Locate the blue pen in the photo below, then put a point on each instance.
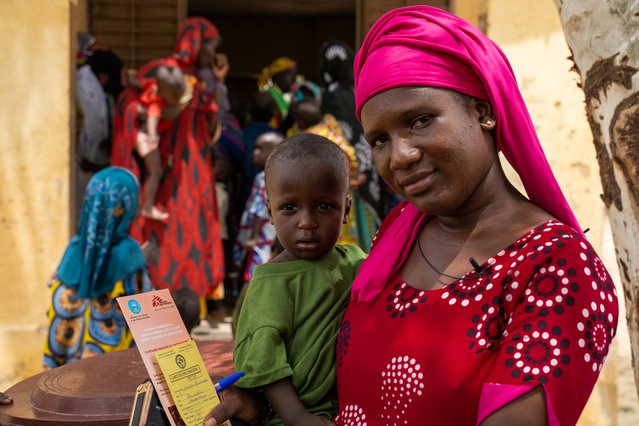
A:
(228, 381)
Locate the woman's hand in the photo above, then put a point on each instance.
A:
(220, 67)
(244, 405)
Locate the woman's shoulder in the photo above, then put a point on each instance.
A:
(554, 242)
(552, 229)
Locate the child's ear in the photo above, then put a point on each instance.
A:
(347, 209)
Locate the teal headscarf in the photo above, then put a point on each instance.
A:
(102, 253)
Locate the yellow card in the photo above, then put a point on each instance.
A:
(189, 383)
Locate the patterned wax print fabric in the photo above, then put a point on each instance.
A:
(255, 215)
(125, 131)
(101, 252)
(151, 99)
(289, 322)
(189, 242)
(542, 312)
(193, 32)
(81, 328)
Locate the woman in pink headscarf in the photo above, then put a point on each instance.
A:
(477, 304)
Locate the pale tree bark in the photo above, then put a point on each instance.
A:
(603, 36)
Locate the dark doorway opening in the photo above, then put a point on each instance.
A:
(254, 33)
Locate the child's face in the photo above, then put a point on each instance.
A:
(264, 145)
(307, 203)
(307, 113)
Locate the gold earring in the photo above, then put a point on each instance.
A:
(489, 122)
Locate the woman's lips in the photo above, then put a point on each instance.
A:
(416, 183)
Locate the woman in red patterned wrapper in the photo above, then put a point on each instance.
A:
(188, 246)
(477, 305)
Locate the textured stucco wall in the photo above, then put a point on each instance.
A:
(530, 33)
(35, 124)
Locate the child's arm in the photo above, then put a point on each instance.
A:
(152, 127)
(288, 406)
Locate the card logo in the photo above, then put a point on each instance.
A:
(134, 306)
(158, 301)
(180, 361)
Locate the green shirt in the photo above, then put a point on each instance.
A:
(289, 323)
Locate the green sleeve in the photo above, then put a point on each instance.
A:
(262, 358)
(263, 326)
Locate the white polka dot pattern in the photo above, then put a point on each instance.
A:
(351, 415)
(402, 384)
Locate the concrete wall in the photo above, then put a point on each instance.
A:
(35, 123)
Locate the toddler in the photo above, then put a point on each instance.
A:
(256, 234)
(161, 97)
(288, 325)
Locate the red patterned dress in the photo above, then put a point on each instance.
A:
(542, 313)
(190, 251)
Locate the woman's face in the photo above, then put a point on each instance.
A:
(430, 146)
(206, 57)
(285, 79)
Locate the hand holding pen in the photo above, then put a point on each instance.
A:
(228, 381)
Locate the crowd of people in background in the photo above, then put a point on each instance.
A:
(202, 224)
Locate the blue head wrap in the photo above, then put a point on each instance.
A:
(102, 253)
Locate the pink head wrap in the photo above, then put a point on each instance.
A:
(426, 46)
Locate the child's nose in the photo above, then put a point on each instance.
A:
(307, 220)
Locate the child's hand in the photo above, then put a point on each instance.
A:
(220, 67)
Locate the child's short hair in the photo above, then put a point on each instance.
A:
(171, 78)
(188, 304)
(262, 107)
(305, 146)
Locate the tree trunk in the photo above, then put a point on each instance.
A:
(603, 38)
